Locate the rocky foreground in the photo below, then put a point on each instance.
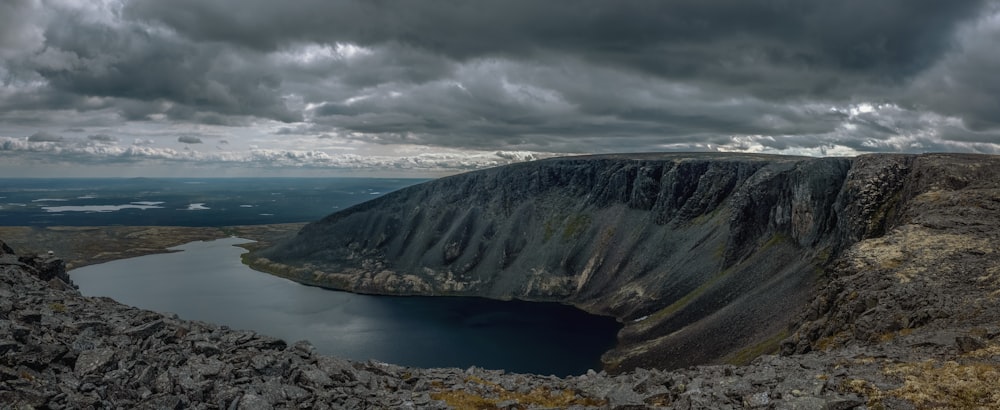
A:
(59, 349)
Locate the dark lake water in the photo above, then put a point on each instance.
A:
(207, 282)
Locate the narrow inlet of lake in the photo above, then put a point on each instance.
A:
(206, 281)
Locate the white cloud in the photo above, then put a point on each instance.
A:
(413, 157)
(313, 53)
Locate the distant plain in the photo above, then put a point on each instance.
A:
(87, 221)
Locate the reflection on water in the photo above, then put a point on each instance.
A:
(207, 282)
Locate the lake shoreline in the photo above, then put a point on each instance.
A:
(208, 282)
(82, 246)
(322, 285)
(162, 361)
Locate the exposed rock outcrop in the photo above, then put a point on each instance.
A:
(47, 268)
(706, 258)
(936, 262)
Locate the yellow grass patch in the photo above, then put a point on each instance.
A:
(865, 389)
(950, 384)
(493, 394)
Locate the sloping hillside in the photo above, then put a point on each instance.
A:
(706, 258)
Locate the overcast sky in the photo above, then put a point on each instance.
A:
(407, 87)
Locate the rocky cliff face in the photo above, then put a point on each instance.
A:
(46, 268)
(706, 258)
(932, 260)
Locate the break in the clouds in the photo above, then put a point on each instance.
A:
(428, 85)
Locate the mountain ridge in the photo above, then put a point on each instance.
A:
(691, 244)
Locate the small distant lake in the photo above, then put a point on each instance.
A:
(182, 201)
(207, 282)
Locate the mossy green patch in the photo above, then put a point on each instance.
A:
(768, 346)
(775, 240)
(575, 225)
(702, 219)
(824, 255)
(550, 230)
(688, 298)
(720, 251)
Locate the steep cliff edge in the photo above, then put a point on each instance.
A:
(706, 258)
(935, 265)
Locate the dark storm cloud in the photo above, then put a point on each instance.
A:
(138, 64)
(189, 139)
(965, 83)
(16, 26)
(522, 106)
(829, 45)
(554, 76)
(43, 136)
(586, 69)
